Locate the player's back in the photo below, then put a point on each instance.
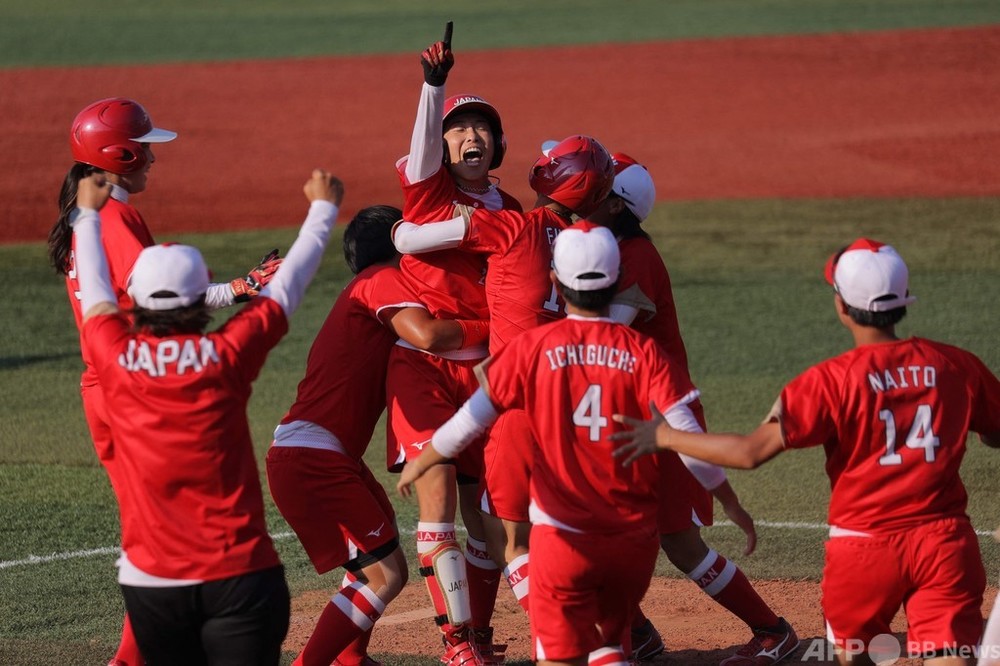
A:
(645, 284)
(518, 247)
(343, 389)
(897, 416)
(577, 373)
(192, 505)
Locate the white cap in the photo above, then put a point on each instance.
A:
(633, 185)
(585, 257)
(177, 273)
(870, 276)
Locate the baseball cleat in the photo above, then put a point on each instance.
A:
(492, 653)
(462, 654)
(367, 661)
(766, 647)
(647, 643)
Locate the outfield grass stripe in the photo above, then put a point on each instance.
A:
(280, 536)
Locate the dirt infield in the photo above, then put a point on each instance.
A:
(871, 114)
(697, 631)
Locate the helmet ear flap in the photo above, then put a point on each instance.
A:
(126, 156)
(499, 149)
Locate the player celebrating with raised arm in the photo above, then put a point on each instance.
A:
(315, 467)
(455, 143)
(201, 580)
(645, 301)
(571, 179)
(589, 514)
(893, 416)
(113, 137)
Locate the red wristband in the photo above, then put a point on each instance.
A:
(474, 331)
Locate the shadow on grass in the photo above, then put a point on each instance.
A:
(15, 362)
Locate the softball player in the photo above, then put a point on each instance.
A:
(315, 467)
(572, 178)
(893, 416)
(201, 579)
(455, 143)
(588, 514)
(645, 301)
(113, 137)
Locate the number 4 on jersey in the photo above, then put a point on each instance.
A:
(921, 436)
(588, 412)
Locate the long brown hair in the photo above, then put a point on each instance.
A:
(61, 235)
(193, 318)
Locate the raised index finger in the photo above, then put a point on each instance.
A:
(447, 35)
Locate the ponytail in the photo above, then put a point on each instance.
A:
(61, 235)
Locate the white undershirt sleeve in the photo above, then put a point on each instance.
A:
(300, 264)
(219, 295)
(470, 421)
(623, 314)
(680, 417)
(91, 264)
(412, 238)
(426, 143)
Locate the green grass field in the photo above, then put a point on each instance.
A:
(58, 32)
(747, 280)
(754, 311)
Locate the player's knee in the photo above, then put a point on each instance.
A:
(685, 550)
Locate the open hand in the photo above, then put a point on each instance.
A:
(411, 472)
(641, 439)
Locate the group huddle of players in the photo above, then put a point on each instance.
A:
(511, 350)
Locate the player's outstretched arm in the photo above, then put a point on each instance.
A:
(410, 238)
(96, 294)
(426, 142)
(324, 193)
(725, 449)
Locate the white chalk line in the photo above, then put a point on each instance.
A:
(33, 560)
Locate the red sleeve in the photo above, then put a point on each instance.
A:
(985, 418)
(492, 232)
(386, 289)
(808, 408)
(250, 334)
(102, 336)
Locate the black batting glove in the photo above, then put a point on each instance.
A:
(437, 59)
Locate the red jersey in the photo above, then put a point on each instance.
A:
(124, 235)
(645, 285)
(893, 419)
(192, 506)
(570, 377)
(449, 282)
(344, 386)
(518, 249)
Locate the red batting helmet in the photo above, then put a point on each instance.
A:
(474, 104)
(577, 172)
(108, 135)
